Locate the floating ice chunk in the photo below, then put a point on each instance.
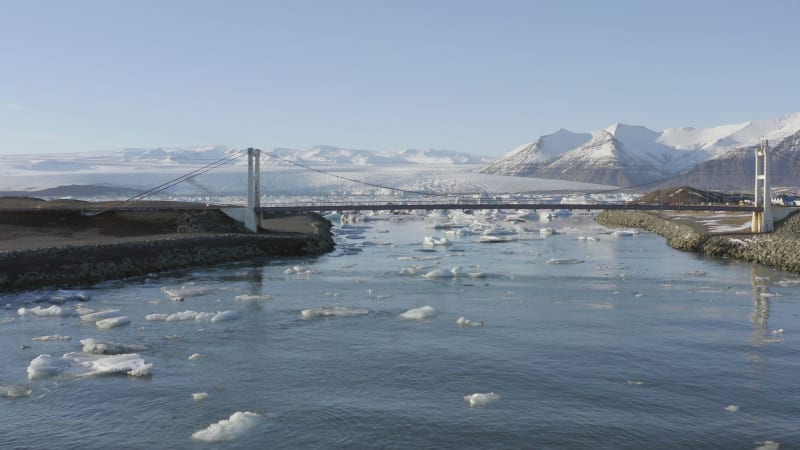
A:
(336, 311)
(193, 315)
(564, 261)
(224, 315)
(444, 273)
(113, 322)
(82, 310)
(430, 241)
(622, 233)
(109, 348)
(196, 356)
(52, 311)
(100, 315)
(54, 337)
(127, 363)
(547, 231)
(46, 366)
(732, 408)
(80, 296)
(198, 396)
(421, 313)
(778, 332)
(464, 322)
(635, 382)
(479, 400)
(15, 391)
(490, 239)
(253, 298)
(439, 273)
(768, 445)
(186, 291)
(299, 270)
(229, 429)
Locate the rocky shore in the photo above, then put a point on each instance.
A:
(780, 249)
(80, 251)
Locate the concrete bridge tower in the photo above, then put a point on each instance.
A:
(252, 218)
(763, 221)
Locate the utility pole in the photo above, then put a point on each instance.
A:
(762, 220)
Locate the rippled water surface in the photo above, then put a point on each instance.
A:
(618, 342)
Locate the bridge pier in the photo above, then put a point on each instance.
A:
(252, 218)
(763, 220)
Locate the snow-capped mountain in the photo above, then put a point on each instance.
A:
(527, 158)
(628, 155)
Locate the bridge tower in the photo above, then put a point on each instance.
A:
(763, 221)
(252, 218)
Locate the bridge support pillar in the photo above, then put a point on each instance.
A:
(252, 218)
(763, 221)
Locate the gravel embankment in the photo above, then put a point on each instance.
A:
(780, 249)
(202, 239)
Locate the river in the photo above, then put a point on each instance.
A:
(578, 339)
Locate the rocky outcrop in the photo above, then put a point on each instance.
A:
(780, 249)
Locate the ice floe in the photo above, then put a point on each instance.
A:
(46, 366)
(732, 408)
(100, 315)
(564, 261)
(464, 322)
(109, 348)
(335, 311)
(479, 400)
(53, 337)
(126, 363)
(113, 322)
(198, 396)
(182, 292)
(193, 315)
(51, 311)
(430, 241)
(229, 429)
(421, 313)
(15, 391)
(196, 356)
(253, 298)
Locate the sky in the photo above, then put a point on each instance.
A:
(475, 76)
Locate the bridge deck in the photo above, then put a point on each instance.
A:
(493, 205)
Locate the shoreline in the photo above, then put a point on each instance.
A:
(46, 248)
(780, 249)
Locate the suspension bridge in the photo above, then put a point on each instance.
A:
(383, 197)
(762, 220)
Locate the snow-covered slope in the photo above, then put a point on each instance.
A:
(529, 157)
(718, 140)
(639, 153)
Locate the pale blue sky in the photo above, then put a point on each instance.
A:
(474, 76)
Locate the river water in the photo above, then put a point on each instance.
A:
(606, 342)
